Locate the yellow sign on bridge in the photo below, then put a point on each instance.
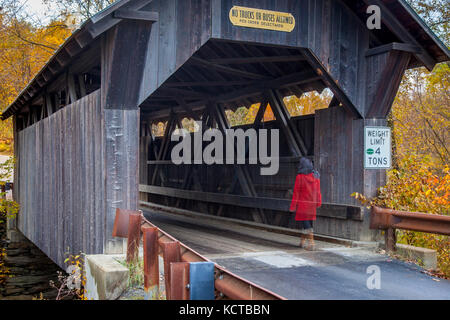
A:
(262, 19)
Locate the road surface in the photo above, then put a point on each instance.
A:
(274, 261)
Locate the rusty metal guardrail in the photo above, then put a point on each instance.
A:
(389, 220)
(177, 256)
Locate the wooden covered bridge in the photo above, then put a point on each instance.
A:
(83, 126)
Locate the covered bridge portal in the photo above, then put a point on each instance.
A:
(83, 138)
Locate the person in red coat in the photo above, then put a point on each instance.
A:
(305, 199)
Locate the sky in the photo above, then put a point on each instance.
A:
(38, 8)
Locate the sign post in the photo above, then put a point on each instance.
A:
(377, 147)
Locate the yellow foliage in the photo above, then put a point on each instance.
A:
(24, 49)
(415, 186)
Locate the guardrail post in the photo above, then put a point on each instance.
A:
(201, 278)
(134, 237)
(390, 239)
(171, 253)
(121, 221)
(179, 281)
(151, 262)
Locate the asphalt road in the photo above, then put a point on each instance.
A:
(275, 262)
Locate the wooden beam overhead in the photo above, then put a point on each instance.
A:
(334, 103)
(257, 59)
(72, 93)
(402, 33)
(181, 102)
(63, 57)
(259, 86)
(46, 74)
(40, 80)
(387, 87)
(106, 20)
(229, 70)
(54, 66)
(253, 90)
(83, 38)
(208, 83)
(186, 93)
(73, 48)
(393, 46)
(329, 81)
(136, 15)
(82, 85)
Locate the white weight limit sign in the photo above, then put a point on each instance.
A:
(377, 147)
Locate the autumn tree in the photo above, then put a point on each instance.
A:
(25, 46)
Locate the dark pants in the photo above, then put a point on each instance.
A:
(308, 224)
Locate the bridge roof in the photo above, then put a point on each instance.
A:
(400, 14)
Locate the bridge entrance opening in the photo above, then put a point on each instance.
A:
(235, 85)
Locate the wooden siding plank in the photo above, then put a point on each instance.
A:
(59, 159)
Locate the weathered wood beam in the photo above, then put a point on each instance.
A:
(209, 83)
(40, 80)
(257, 59)
(164, 145)
(260, 115)
(48, 104)
(72, 93)
(393, 46)
(334, 102)
(155, 150)
(331, 84)
(402, 33)
(270, 67)
(54, 66)
(181, 102)
(295, 78)
(282, 106)
(277, 204)
(229, 50)
(63, 57)
(46, 74)
(73, 48)
(82, 85)
(181, 92)
(283, 121)
(105, 21)
(243, 176)
(229, 70)
(136, 15)
(387, 86)
(250, 91)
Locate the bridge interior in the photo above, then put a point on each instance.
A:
(225, 75)
(233, 74)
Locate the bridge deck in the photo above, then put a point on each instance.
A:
(274, 261)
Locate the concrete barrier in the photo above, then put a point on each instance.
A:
(426, 257)
(106, 278)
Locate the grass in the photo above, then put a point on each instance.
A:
(136, 277)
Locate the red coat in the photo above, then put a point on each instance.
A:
(306, 197)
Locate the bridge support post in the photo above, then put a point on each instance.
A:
(121, 74)
(338, 156)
